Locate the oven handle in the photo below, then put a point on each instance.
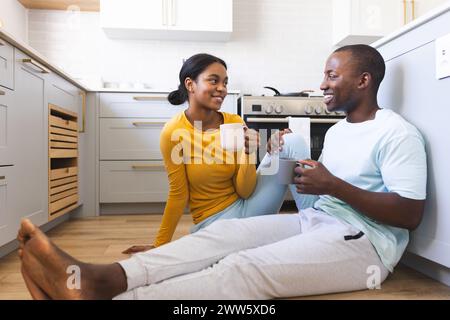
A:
(286, 120)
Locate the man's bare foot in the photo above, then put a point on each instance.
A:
(61, 276)
(35, 291)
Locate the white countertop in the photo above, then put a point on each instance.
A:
(413, 25)
(44, 61)
(156, 90)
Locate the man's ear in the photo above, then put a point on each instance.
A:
(189, 84)
(365, 80)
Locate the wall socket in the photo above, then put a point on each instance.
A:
(443, 57)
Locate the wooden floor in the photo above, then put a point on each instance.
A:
(101, 240)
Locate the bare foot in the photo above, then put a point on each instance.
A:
(61, 276)
(35, 291)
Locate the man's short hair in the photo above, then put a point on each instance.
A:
(367, 59)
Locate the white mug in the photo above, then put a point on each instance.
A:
(232, 136)
(286, 169)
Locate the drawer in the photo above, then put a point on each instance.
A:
(62, 93)
(9, 221)
(6, 129)
(130, 139)
(6, 65)
(61, 204)
(124, 105)
(133, 181)
(63, 173)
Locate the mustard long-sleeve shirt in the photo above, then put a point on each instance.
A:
(199, 171)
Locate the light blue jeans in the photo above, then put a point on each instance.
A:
(268, 196)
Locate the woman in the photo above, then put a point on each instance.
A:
(199, 171)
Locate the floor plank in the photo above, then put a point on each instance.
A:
(102, 239)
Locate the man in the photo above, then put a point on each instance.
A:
(371, 184)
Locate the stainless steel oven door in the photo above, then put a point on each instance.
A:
(268, 125)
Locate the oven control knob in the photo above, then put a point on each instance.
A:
(326, 111)
(308, 109)
(268, 109)
(319, 110)
(278, 109)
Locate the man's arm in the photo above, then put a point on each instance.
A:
(384, 207)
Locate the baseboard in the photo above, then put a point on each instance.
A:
(14, 245)
(131, 208)
(431, 269)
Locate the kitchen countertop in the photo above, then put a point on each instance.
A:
(156, 90)
(413, 25)
(39, 58)
(44, 61)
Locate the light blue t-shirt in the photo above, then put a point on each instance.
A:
(386, 154)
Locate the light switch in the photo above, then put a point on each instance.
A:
(443, 57)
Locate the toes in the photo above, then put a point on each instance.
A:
(27, 228)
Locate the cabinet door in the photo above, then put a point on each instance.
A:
(376, 17)
(8, 225)
(62, 93)
(6, 65)
(201, 15)
(30, 147)
(133, 14)
(6, 121)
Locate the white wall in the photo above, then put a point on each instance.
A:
(280, 43)
(14, 19)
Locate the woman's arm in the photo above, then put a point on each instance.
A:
(178, 187)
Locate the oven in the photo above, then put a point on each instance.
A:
(266, 114)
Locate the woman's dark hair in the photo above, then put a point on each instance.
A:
(191, 68)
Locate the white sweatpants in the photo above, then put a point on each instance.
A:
(263, 257)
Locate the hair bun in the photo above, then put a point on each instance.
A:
(176, 98)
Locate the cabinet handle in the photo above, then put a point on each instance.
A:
(2, 93)
(2, 177)
(147, 123)
(173, 12)
(150, 98)
(37, 65)
(83, 112)
(164, 12)
(147, 166)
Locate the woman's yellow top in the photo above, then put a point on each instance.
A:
(201, 172)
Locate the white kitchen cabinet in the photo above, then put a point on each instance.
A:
(364, 21)
(30, 144)
(8, 197)
(62, 93)
(130, 139)
(137, 105)
(167, 19)
(6, 134)
(410, 88)
(133, 181)
(6, 65)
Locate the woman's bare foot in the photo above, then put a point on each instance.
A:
(59, 275)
